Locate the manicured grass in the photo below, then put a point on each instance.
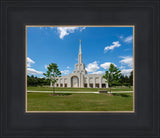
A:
(80, 102)
(44, 88)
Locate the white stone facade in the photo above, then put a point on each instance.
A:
(80, 79)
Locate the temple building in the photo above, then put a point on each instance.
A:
(79, 77)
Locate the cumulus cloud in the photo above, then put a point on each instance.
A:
(111, 47)
(98, 72)
(128, 39)
(106, 65)
(127, 61)
(126, 72)
(92, 67)
(63, 31)
(65, 72)
(33, 71)
(122, 67)
(68, 67)
(82, 28)
(45, 66)
(29, 62)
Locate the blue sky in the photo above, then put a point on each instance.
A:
(100, 47)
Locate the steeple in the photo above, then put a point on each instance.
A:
(80, 53)
(80, 66)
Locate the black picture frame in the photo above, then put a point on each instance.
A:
(144, 123)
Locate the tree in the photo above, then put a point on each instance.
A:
(35, 81)
(131, 78)
(52, 74)
(112, 75)
(126, 80)
(122, 79)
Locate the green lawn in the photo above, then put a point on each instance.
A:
(44, 88)
(79, 102)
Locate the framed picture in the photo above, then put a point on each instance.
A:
(105, 84)
(80, 69)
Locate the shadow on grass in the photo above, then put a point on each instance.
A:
(121, 94)
(60, 94)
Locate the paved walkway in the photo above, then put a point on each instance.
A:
(79, 92)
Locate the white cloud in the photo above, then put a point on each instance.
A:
(126, 72)
(111, 47)
(92, 67)
(82, 28)
(45, 66)
(122, 67)
(127, 61)
(65, 72)
(106, 65)
(29, 62)
(128, 39)
(63, 31)
(68, 67)
(33, 71)
(98, 72)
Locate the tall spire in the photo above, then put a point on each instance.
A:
(80, 53)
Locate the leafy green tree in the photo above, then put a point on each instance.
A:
(122, 79)
(126, 80)
(35, 81)
(112, 75)
(131, 78)
(52, 74)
